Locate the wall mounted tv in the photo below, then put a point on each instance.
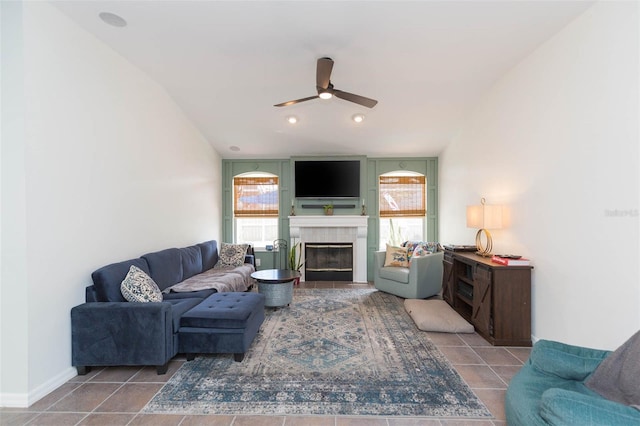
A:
(327, 179)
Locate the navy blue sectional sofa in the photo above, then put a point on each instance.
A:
(107, 330)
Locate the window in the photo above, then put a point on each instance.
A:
(256, 208)
(402, 207)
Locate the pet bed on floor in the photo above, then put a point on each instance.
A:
(436, 315)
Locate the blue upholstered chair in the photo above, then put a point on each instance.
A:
(550, 390)
(422, 279)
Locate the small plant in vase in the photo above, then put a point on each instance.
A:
(295, 259)
(328, 209)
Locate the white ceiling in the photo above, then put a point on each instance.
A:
(226, 63)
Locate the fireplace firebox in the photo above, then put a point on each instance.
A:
(328, 262)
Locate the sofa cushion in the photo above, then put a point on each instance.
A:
(137, 286)
(107, 279)
(165, 267)
(191, 261)
(209, 250)
(200, 294)
(396, 257)
(401, 275)
(224, 310)
(231, 255)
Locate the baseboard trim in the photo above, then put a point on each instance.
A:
(24, 400)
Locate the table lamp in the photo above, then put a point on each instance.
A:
(485, 217)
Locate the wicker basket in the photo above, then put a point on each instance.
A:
(277, 294)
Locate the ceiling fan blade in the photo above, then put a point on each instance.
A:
(368, 102)
(323, 72)
(296, 101)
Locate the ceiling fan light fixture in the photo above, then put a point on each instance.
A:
(325, 95)
(358, 118)
(292, 119)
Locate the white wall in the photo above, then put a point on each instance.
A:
(556, 140)
(108, 168)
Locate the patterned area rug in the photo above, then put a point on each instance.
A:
(331, 352)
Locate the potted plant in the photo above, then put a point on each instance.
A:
(328, 209)
(295, 259)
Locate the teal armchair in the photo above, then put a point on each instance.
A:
(422, 279)
(550, 390)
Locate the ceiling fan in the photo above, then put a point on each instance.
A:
(325, 88)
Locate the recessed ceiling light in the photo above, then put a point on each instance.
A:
(358, 118)
(292, 119)
(112, 19)
(234, 148)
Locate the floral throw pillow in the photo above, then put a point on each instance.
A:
(397, 257)
(231, 255)
(420, 248)
(137, 286)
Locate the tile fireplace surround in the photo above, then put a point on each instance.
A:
(334, 229)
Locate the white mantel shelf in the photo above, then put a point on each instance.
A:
(333, 221)
(334, 229)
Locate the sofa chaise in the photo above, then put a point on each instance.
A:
(213, 314)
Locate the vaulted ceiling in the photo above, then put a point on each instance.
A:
(226, 63)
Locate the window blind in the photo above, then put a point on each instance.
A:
(402, 196)
(255, 196)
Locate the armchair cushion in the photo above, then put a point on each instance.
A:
(400, 275)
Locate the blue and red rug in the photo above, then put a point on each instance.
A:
(332, 352)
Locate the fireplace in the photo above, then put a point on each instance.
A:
(328, 261)
(330, 230)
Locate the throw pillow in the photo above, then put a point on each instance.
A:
(139, 287)
(231, 255)
(397, 257)
(420, 248)
(616, 378)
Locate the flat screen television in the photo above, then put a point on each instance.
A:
(327, 179)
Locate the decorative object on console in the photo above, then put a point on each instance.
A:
(484, 217)
(510, 260)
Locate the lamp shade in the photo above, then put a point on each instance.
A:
(484, 216)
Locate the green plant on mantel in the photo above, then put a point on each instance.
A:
(295, 257)
(328, 209)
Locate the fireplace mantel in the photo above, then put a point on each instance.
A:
(334, 229)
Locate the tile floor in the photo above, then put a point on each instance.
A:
(116, 395)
